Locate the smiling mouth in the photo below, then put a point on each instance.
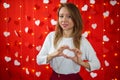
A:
(64, 25)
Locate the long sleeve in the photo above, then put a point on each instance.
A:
(42, 55)
(91, 56)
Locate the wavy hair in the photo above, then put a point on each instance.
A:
(78, 25)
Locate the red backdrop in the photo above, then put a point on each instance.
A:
(24, 25)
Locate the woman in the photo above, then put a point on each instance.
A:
(66, 49)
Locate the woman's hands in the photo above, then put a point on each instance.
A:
(57, 53)
(77, 58)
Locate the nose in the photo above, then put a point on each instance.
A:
(64, 18)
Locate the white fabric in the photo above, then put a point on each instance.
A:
(66, 66)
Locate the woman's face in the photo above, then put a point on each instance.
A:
(65, 19)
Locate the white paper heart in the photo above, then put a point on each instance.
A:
(94, 26)
(37, 22)
(16, 54)
(63, 1)
(38, 48)
(93, 75)
(27, 59)
(6, 5)
(105, 38)
(6, 33)
(38, 74)
(106, 13)
(16, 63)
(27, 71)
(15, 32)
(92, 1)
(111, 21)
(7, 59)
(85, 8)
(69, 53)
(106, 63)
(53, 22)
(45, 1)
(26, 29)
(85, 34)
(113, 2)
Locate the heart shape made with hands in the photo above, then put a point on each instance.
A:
(68, 52)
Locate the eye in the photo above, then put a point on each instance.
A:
(61, 16)
(69, 16)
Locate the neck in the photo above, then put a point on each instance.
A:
(67, 33)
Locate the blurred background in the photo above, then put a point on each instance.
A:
(24, 25)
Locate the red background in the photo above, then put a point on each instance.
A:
(20, 36)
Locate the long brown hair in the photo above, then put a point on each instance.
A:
(78, 25)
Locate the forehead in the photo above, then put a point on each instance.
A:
(64, 10)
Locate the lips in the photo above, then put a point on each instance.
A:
(64, 25)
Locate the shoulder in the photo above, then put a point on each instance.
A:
(84, 41)
(51, 34)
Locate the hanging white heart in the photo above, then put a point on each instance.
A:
(63, 1)
(6, 33)
(45, 1)
(26, 29)
(106, 63)
(6, 5)
(105, 38)
(7, 59)
(113, 2)
(94, 26)
(93, 75)
(85, 7)
(53, 22)
(27, 59)
(37, 22)
(27, 71)
(16, 63)
(92, 1)
(85, 34)
(111, 21)
(38, 48)
(16, 54)
(106, 13)
(38, 74)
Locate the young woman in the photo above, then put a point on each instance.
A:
(65, 49)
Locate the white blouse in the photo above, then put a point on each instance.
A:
(62, 65)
